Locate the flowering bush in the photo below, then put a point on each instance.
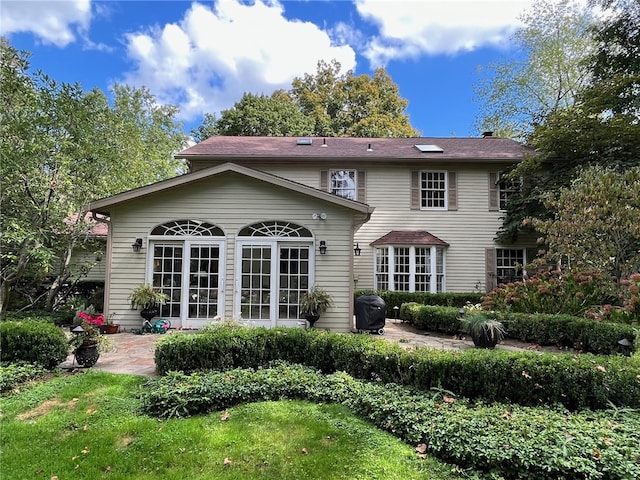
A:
(631, 295)
(89, 316)
(570, 292)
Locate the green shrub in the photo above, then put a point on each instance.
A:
(543, 329)
(63, 317)
(13, 374)
(567, 331)
(571, 293)
(32, 341)
(507, 440)
(445, 299)
(528, 378)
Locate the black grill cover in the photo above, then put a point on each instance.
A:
(371, 311)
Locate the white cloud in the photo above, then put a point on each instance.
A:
(212, 56)
(54, 22)
(409, 28)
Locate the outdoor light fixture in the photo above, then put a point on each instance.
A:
(357, 250)
(319, 216)
(137, 245)
(323, 247)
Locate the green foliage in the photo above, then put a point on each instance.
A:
(568, 292)
(104, 434)
(61, 148)
(567, 331)
(479, 326)
(507, 440)
(327, 104)
(555, 42)
(315, 301)
(559, 330)
(444, 299)
(62, 317)
(259, 115)
(527, 378)
(38, 342)
(427, 317)
(13, 374)
(597, 221)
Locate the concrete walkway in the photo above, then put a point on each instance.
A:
(133, 353)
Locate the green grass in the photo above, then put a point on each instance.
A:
(86, 426)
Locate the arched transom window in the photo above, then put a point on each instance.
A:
(193, 228)
(275, 229)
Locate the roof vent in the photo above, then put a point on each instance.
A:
(429, 148)
(369, 149)
(324, 142)
(304, 141)
(487, 134)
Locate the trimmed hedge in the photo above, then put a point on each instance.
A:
(526, 378)
(33, 341)
(583, 334)
(509, 441)
(444, 299)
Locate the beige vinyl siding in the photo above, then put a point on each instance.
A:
(469, 230)
(232, 202)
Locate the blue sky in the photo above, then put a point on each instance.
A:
(202, 56)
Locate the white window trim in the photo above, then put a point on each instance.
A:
(355, 182)
(524, 259)
(187, 242)
(433, 284)
(272, 243)
(501, 190)
(446, 190)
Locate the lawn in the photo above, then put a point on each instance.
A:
(87, 426)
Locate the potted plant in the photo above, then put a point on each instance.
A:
(484, 331)
(313, 303)
(86, 343)
(109, 326)
(148, 298)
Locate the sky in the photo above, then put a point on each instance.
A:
(203, 56)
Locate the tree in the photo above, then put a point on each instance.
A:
(602, 127)
(61, 148)
(259, 115)
(327, 104)
(596, 222)
(515, 96)
(346, 105)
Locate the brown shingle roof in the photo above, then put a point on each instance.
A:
(409, 237)
(282, 148)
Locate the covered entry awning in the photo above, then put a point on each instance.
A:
(409, 237)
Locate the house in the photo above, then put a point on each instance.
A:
(258, 220)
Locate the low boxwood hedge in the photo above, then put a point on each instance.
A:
(33, 341)
(527, 378)
(543, 329)
(444, 299)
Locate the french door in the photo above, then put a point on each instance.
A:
(270, 278)
(191, 274)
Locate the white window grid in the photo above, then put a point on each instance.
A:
(433, 190)
(343, 183)
(509, 262)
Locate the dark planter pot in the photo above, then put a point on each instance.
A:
(484, 341)
(149, 312)
(87, 355)
(311, 319)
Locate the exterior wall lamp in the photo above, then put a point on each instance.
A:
(137, 245)
(357, 250)
(323, 247)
